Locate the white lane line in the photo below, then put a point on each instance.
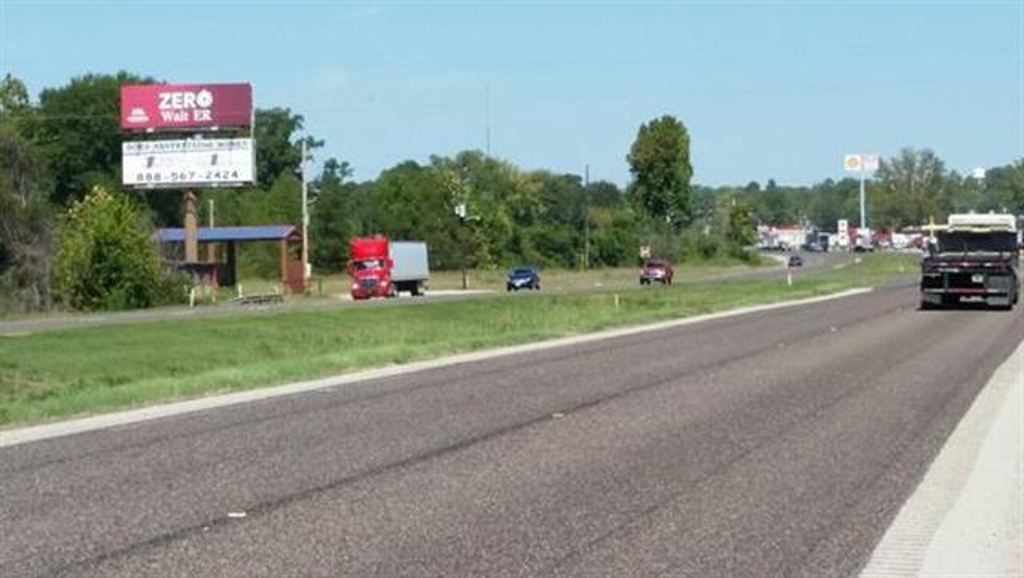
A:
(966, 517)
(47, 431)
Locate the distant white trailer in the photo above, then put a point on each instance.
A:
(973, 222)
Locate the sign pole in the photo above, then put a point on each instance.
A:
(863, 223)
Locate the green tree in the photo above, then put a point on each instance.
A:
(605, 194)
(278, 144)
(342, 210)
(740, 229)
(25, 241)
(106, 257)
(13, 97)
(612, 242)
(910, 188)
(78, 131)
(1004, 188)
(834, 200)
(660, 163)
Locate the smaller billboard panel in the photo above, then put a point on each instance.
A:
(188, 163)
(852, 163)
(870, 162)
(150, 107)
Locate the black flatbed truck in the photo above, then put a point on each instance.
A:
(976, 260)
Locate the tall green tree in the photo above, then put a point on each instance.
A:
(909, 189)
(78, 130)
(341, 210)
(279, 144)
(25, 241)
(660, 163)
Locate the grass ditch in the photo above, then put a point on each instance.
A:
(58, 374)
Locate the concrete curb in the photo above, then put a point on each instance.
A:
(966, 518)
(47, 431)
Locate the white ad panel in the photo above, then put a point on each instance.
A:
(188, 163)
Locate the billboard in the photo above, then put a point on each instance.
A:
(188, 163)
(151, 107)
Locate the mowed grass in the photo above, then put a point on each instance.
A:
(556, 279)
(57, 374)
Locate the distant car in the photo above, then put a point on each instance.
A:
(795, 261)
(656, 271)
(522, 278)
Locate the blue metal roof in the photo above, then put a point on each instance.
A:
(225, 234)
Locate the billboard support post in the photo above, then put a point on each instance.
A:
(211, 248)
(191, 228)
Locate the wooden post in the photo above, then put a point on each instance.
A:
(284, 265)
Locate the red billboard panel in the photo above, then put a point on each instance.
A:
(185, 106)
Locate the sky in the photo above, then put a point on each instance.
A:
(767, 89)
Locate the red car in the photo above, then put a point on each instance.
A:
(656, 271)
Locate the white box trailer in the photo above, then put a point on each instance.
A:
(411, 268)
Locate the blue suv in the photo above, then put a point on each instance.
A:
(523, 278)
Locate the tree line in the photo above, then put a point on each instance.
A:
(60, 180)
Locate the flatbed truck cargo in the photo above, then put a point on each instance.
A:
(976, 260)
(383, 268)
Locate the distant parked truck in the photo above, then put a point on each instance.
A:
(975, 260)
(382, 268)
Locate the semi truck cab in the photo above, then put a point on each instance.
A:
(383, 268)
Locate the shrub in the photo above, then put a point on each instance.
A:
(106, 257)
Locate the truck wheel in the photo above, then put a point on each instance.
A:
(417, 290)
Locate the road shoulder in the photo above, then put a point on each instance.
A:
(966, 518)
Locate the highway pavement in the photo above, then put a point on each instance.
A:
(779, 443)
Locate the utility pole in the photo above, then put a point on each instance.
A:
(487, 113)
(305, 218)
(586, 217)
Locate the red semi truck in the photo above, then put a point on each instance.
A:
(382, 268)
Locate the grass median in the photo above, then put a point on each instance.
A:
(58, 374)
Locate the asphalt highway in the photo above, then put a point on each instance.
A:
(779, 443)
